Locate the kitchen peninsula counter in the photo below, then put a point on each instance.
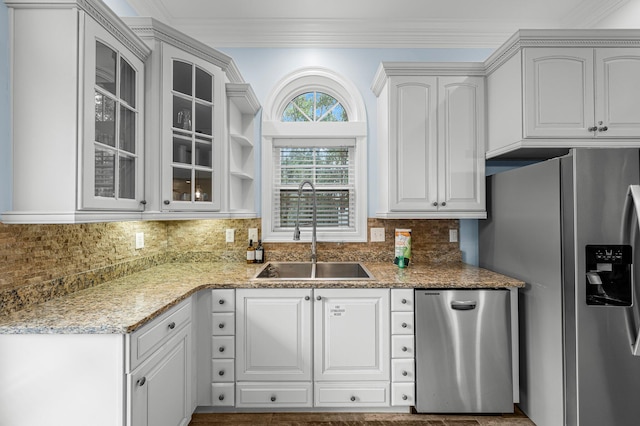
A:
(122, 305)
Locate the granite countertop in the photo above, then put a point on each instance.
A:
(123, 305)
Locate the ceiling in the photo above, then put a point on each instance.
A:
(369, 23)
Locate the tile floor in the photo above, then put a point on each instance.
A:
(356, 419)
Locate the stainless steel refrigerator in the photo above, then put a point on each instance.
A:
(569, 229)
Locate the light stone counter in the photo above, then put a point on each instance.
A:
(123, 305)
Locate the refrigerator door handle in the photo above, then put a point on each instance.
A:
(628, 233)
(459, 305)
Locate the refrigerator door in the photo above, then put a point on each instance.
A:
(606, 374)
(463, 351)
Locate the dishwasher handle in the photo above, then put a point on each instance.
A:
(463, 305)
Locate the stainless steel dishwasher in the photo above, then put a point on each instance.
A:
(463, 351)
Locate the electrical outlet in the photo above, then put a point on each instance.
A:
(453, 235)
(230, 235)
(377, 235)
(253, 235)
(139, 240)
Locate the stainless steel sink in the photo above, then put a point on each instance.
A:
(302, 271)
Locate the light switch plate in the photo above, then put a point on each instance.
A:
(139, 240)
(377, 235)
(230, 235)
(453, 235)
(253, 235)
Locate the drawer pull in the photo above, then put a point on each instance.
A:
(405, 325)
(221, 397)
(221, 349)
(404, 373)
(353, 398)
(221, 325)
(221, 301)
(221, 373)
(405, 349)
(404, 301)
(405, 397)
(141, 381)
(307, 298)
(172, 325)
(273, 398)
(318, 297)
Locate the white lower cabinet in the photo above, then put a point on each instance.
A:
(347, 331)
(403, 375)
(223, 347)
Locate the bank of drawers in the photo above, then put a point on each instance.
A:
(402, 348)
(223, 347)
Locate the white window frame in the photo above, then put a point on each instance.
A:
(273, 129)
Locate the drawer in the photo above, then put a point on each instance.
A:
(224, 323)
(362, 394)
(403, 394)
(223, 300)
(147, 339)
(223, 347)
(402, 323)
(402, 346)
(223, 394)
(402, 300)
(286, 394)
(223, 370)
(403, 370)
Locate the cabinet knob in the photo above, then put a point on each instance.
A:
(435, 204)
(221, 397)
(221, 349)
(221, 325)
(592, 129)
(172, 325)
(166, 202)
(405, 325)
(443, 204)
(405, 397)
(404, 301)
(318, 297)
(141, 381)
(307, 298)
(405, 349)
(221, 301)
(221, 373)
(273, 398)
(404, 373)
(353, 398)
(603, 129)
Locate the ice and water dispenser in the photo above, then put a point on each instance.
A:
(609, 275)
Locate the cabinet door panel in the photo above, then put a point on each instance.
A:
(413, 149)
(461, 136)
(559, 94)
(351, 334)
(618, 91)
(274, 334)
(160, 389)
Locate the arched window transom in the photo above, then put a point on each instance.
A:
(314, 106)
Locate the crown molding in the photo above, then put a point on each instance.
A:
(244, 96)
(97, 10)
(150, 28)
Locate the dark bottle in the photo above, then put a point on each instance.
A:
(251, 253)
(259, 252)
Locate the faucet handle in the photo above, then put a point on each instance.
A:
(296, 234)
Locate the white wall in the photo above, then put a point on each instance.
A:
(627, 16)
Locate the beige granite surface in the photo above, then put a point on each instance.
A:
(124, 304)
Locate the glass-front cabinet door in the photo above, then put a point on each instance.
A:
(113, 136)
(192, 127)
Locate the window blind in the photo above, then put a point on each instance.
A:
(331, 168)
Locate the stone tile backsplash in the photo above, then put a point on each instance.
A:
(41, 262)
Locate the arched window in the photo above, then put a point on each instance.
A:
(313, 130)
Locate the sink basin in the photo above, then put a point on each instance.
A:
(302, 271)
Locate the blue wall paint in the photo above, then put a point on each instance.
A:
(6, 167)
(264, 67)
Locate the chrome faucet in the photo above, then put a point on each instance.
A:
(296, 232)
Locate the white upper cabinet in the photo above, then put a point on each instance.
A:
(563, 89)
(195, 168)
(78, 114)
(431, 128)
